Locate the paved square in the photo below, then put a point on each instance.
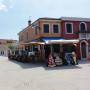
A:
(22, 76)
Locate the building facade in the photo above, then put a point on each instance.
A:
(68, 28)
(78, 28)
(43, 27)
(6, 45)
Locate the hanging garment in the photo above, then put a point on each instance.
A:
(51, 62)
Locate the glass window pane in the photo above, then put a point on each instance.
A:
(55, 28)
(46, 28)
(69, 28)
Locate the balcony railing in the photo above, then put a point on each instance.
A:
(82, 31)
(84, 35)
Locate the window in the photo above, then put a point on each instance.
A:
(83, 26)
(26, 35)
(46, 28)
(21, 38)
(55, 28)
(2, 52)
(36, 30)
(69, 28)
(35, 27)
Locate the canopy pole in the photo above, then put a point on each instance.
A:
(51, 49)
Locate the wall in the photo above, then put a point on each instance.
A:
(31, 31)
(75, 29)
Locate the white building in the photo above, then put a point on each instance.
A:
(4, 46)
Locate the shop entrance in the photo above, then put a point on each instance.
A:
(83, 50)
(56, 48)
(69, 48)
(47, 49)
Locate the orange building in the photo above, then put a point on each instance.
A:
(43, 27)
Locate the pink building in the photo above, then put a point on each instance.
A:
(77, 28)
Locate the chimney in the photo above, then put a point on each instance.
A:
(29, 22)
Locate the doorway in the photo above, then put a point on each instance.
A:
(47, 49)
(84, 50)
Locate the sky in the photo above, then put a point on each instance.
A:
(14, 14)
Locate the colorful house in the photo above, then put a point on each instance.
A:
(62, 31)
(78, 28)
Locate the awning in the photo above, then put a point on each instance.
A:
(63, 41)
(59, 40)
(47, 40)
(52, 40)
(36, 43)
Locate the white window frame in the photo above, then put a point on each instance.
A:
(66, 28)
(43, 27)
(84, 24)
(58, 28)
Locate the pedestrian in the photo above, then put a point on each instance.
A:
(74, 58)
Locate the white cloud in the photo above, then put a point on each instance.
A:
(3, 7)
(9, 3)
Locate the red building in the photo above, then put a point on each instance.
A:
(77, 28)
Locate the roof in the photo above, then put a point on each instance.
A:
(44, 18)
(48, 18)
(75, 19)
(8, 40)
(23, 29)
(62, 18)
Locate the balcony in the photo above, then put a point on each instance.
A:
(84, 35)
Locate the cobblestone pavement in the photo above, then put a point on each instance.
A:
(22, 76)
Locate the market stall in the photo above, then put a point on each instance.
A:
(53, 51)
(58, 48)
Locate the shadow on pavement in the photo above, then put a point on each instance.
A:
(63, 67)
(35, 65)
(84, 62)
(28, 65)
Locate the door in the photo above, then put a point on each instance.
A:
(47, 50)
(83, 50)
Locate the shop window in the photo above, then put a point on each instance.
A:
(46, 28)
(69, 28)
(35, 48)
(69, 49)
(56, 28)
